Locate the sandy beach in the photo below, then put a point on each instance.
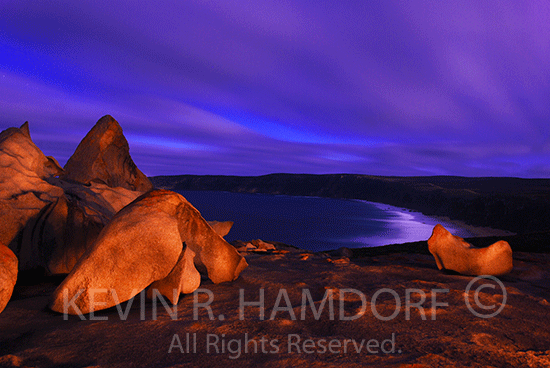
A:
(416, 226)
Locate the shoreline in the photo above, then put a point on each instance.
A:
(493, 204)
(401, 225)
(476, 231)
(456, 227)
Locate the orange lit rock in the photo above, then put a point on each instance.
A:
(139, 246)
(454, 254)
(261, 245)
(8, 275)
(24, 191)
(142, 244)
(213, 255)
(104, 156)
(183, 279)
(222, 228)
(49, 222)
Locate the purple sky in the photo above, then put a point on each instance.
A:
(257, 87)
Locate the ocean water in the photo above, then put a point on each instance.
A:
(314, 223)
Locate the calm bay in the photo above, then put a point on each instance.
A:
(314, 223)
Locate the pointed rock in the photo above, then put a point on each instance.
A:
(21, 156)
(453, 253)
(48, 222)
(25, 129)
(24, 191)
(54, 166)
(104, 156)
(8, 275)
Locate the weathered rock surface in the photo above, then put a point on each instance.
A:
(183, 279)
(104, 156)
(49, 222)
(217, 258)
(222, 228)
(65, 228)
(139, 246)
(142, 244)
(8, 275)
(454, 254)
(261, 245)
(256, 245)
(517, 337)
(23, 190)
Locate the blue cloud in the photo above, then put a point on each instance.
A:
(394, 88)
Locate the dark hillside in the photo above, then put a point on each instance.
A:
(518, 205)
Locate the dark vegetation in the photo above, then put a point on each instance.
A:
(514, 204)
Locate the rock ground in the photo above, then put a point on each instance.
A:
(31, 335)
